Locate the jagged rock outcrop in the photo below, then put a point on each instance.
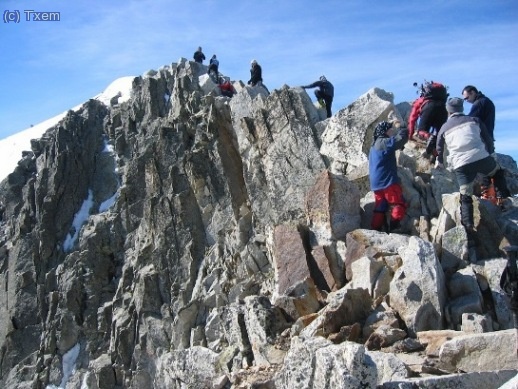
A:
(182, 239)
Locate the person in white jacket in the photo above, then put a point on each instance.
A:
(470, 149)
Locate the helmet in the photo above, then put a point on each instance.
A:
(323, 78)
(254, 62)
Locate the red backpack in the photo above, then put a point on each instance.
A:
(435, 91)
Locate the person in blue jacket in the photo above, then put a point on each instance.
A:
(324, 94)
(482, 108)
(383, 177)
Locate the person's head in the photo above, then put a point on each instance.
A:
(253, 63)
(469, 93)
(455, 105)
(199, 48)
(383, 130)
(323, 78)
(214, 56)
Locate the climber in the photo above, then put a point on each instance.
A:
(256, 75)
(199, 56)
(429, 109)
(482, 108)
(470, 147)
(324, 93)
(227, 89)
(213, 68)
(384, 180)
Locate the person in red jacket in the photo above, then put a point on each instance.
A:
(414, 115)
(227, 89)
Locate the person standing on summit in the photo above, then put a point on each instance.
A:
(324, 93)
(198, 56)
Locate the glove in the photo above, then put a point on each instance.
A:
(439, 165)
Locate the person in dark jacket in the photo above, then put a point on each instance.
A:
(213, 68)
(432, 117)
(324, 93)
(199, 56)
(482, 108)
(256, 74)
(383, 177)
(470, 147)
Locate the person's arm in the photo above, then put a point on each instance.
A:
(414, 116)
(313, 85)
(486, 138)
(440, 147)
(400, 138)
(393, 143)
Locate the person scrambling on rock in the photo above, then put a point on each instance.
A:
(227, 89)
(470, 147)
(383, 177)
(213, 67)
(199, 56)
(429, 114)
(324, 93)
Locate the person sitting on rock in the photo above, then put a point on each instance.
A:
(256, 75)
(198, 56)
(383, 177)
(324, 93)
(470, 147)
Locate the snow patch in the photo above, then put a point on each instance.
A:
(80, 217)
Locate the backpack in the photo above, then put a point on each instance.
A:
(435, 91)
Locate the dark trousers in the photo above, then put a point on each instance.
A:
(327, 99)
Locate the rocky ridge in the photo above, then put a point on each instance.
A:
(181, 239)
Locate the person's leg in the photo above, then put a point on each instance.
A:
(465, 176)
(320, 97)
(380, 207)
(492, 170)
(329, 101)
(395, 200)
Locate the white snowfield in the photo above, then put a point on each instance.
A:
(11, 148)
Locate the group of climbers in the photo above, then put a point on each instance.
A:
(435, 119)
(324, 93)
(442, 122)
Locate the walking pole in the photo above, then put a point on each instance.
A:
(509, 284)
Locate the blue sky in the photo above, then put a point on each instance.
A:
(49, 67)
